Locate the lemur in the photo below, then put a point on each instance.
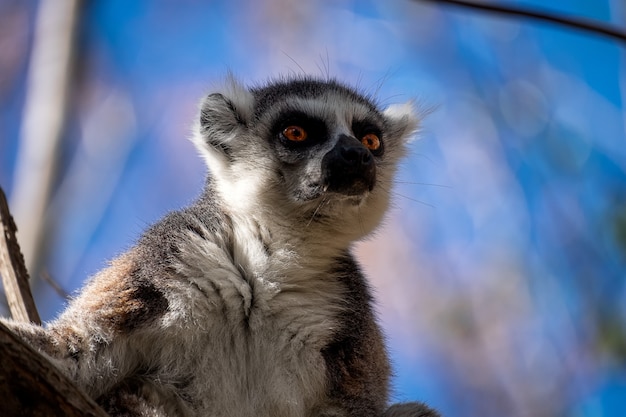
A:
(248, 302)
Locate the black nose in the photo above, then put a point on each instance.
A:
(349, 167)
(355, 154)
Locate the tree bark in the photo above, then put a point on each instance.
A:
(13, 270)
(31, 386)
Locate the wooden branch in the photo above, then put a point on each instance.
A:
(31, 386)
(13, 270)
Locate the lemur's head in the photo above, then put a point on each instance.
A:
(304, 151)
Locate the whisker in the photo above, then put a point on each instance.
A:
(319, 68)
(430, 184)
(423, 156)
(407, 197)
(317, 209)
(295, 62)
(424, 183)
(324, 69)
(415, 200)
(327, 65)
(381, 82)
(358, 215)
(390, 98)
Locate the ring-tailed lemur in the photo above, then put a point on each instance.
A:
(248, 302)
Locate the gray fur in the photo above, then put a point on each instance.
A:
(248, 302)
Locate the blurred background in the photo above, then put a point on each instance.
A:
(500, 272)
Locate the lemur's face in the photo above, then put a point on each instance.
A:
(327, 142)
(305, 144)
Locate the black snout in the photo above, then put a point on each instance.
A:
(355, 155)
(349, 167)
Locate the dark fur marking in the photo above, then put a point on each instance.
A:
(143, 304)
(356, 362)
(182, 388)
(305, 88)
(346, 364)
(74, 346)
(238, 117)
(196, 230)
(126, 303)
(266, 248)
(218, 291)
(226, 150)
(125, 400)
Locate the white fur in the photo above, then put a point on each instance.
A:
(288, 316)
(404, 117)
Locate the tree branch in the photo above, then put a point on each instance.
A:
(571, 22)
(31, 386)
(13, 271)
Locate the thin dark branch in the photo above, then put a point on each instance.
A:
(55, 285)
(572, 22)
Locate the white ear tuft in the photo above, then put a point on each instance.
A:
(403, 120)
(224, 115)
(240, 97)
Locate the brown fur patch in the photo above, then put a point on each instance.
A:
(123, 300)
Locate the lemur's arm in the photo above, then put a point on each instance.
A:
(102, 336)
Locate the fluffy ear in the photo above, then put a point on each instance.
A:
(224, 114)
(402, 121)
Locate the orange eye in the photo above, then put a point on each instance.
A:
(371, 141)
(295, 133)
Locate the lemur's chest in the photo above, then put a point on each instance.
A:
(251, 282)
(263, 319)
